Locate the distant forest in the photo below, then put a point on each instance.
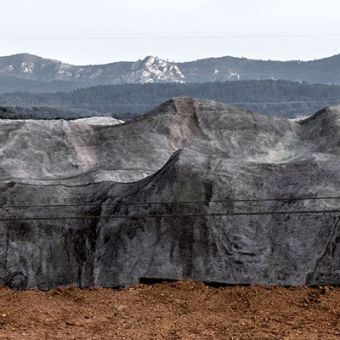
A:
(281, 98)
(41, 112)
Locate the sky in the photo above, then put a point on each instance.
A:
(100, 31)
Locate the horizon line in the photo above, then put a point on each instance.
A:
(168, 60)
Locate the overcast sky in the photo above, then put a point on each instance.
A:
(99, 31)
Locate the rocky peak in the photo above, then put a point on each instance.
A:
(153, 69)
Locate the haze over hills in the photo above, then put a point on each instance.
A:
(184, 150)
(25, 72)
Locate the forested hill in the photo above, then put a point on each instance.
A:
(283, 98)
(30, 73)
(324, 71)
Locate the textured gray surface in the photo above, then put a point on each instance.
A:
(184, 150)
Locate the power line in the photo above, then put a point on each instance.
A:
(286, 102)
(280, 199)
(175, 37)
(99, 217)
(325, 102)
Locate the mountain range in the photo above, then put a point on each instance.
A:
(30, 73)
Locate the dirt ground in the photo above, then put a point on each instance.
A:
(182, 310)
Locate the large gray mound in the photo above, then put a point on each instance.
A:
(183, 151)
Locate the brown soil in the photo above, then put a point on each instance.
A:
(183, 310)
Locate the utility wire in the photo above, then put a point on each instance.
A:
(99, 217)
(173, 37)
(230, 103)
(280, 199)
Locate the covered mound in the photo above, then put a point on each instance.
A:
(106, 222)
